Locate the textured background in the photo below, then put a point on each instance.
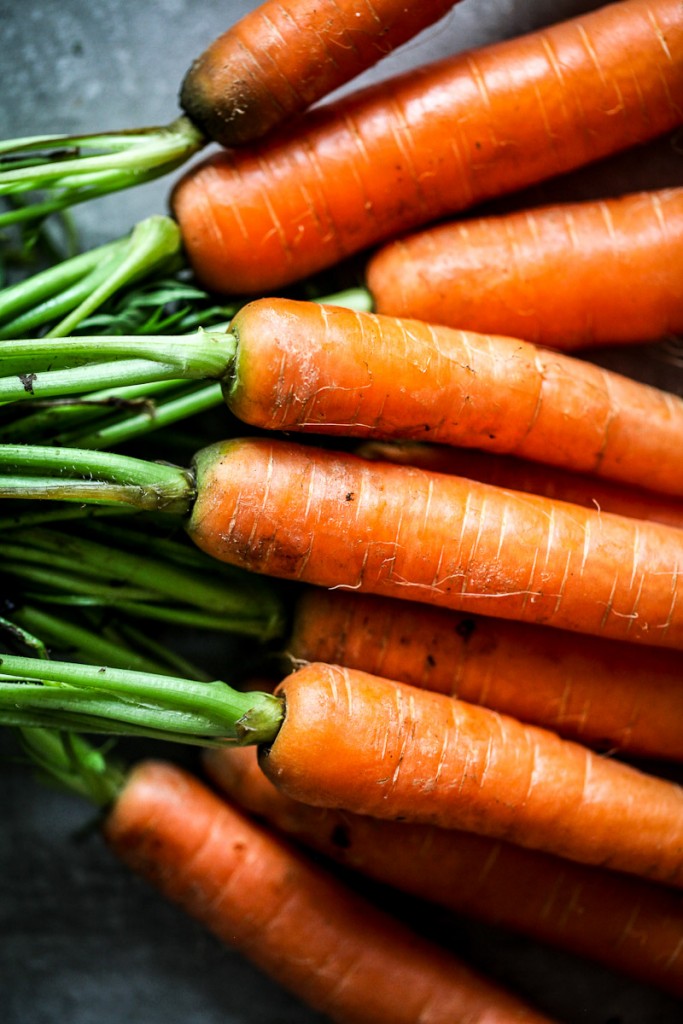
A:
(82, 941)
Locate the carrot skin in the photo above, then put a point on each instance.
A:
(283, 56)
(373, 746)
(618, 921)
(602, 693)
(532, 477)
(335, 520)
(296, 923)
(325, 369)
(421, 146)
(566, 276)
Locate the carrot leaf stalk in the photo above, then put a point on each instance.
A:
(153, 580)
(31, 368)
(75, 474)
(75, 288)
(75, 168)
(106, 700)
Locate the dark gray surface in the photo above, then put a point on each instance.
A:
(82, 940)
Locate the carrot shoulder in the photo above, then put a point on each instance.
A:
(299, 925)
(373, 746)
(602, 693)
(285, 54)
(567, 276)
(335, 520)
(621, 922)
(421, 146)
(325, 369)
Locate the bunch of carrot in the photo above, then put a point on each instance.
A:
(470, 638)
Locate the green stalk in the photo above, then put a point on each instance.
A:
(41, 287)
(86, 644)
(74, 169)
(189, 711)
(75, 474)
(33, 368)
(58, 418)
(154, 416)
(152, 244)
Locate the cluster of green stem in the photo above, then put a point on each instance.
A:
(72, 169)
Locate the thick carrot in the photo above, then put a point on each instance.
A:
(291, 365)
(326, 369)
(340, 738)
(431, 142)
(535, 478)
(621, 922)
(357, 742)
(568, 276)
(601, 693)
(298, 924)
(336, 520)
(283, 56)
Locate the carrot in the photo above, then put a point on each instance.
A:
(522, 475)
(283, 56)
(339, 738)
(288, 365)
(382, 748)
(431, 142)
(601, 693)
(335, 520)
(618, 921)
(298, 924)
(568, 275)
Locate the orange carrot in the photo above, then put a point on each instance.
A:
(283, 56)
(326, 369)
(568, 276)
(357, 742)
(291, 365)
(431, 142)
(336, 520)
(329, 947)
(598, 692)
(534, 478)
(618, 921)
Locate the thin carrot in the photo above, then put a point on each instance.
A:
(382, 748)
(523, 475)
(602, 693)
(283, 56)
(298, 924)
(340, 738)
(568, 275)
(428, 143)
(618, 921)
(335, 520)
(288, 365)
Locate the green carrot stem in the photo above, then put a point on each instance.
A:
(111, 575)
(56, 416)
(56, 280)
(185, 707)
(33, 368)
(155, 416)
(151, 244)
(85, 644)
(75, 474)
(76, 168)
(74, 763)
